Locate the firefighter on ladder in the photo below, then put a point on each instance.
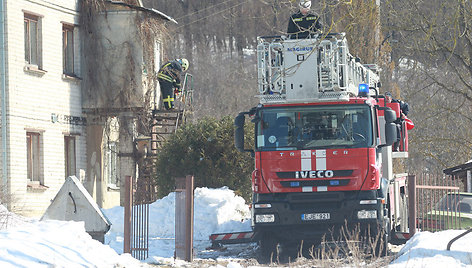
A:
(169, 80)
(303, 23)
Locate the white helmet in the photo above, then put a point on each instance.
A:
(304, 4)
(184, 63)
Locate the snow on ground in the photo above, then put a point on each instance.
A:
(32, 243)
(427, 249)
(28, 243)
(215, 211)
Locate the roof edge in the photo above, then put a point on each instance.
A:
(145, 9)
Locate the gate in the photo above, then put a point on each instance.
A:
(437, 199)
(139, 194)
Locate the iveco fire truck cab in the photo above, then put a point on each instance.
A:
(323, 137)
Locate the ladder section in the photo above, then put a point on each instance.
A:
(317, 69)
(164, 123)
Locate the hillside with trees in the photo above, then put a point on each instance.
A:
(424, 51)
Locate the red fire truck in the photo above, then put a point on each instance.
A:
(323, 146)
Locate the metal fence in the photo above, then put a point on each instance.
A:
(437, 200)
(139, 194)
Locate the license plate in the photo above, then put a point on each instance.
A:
(315, 216)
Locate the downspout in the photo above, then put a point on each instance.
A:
(4, 98)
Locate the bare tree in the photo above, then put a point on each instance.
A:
(432, 51)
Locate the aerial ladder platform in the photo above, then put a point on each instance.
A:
(317, 69)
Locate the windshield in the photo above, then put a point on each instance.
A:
(309, 127)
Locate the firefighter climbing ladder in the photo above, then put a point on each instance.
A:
(165, 123)
(142, 191)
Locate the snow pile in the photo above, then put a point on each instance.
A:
(31, 243)
(56, 244)
(10, 219)
(215, 211)
(426, 249)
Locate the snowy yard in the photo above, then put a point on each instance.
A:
(31, 243)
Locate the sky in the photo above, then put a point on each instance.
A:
(26, 242)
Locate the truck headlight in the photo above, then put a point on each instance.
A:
(367, 214)
(264, 218)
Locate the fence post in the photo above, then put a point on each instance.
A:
(127, 217)
(412, 204)
(184, 218)
(469, 181)
(189, 219)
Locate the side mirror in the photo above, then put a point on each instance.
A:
(390, 127)
(390, 133)
(390, 115)
(239, 132)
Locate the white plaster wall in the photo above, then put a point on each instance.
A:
(34, 97)
(122, 64)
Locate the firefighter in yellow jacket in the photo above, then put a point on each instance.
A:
(169, 80)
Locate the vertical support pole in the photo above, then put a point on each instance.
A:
(412, 204)
(3, 85)
(469, 181)
(189, 219)
(184, 218)
(127, 217)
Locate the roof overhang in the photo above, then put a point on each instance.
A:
(145, 9)
(458, 169)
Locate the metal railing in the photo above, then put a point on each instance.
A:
(138, 195)
(437, 199)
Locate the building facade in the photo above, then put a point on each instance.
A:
(60, 115)
(43, 130)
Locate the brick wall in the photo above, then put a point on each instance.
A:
(35, 96)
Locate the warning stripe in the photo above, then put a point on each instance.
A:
(231, 236)
(402, 235)
(306, 157)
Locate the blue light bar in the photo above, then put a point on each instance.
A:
(363, 90)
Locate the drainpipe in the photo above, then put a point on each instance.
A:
(3, 86)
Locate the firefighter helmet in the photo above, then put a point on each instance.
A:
(304, 4)
(184, 63)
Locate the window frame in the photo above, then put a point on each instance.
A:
(68, 49)
(111, 165)
(33, 148)
(70, 167)
(30, 59)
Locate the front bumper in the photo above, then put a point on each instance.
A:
(290, 210)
